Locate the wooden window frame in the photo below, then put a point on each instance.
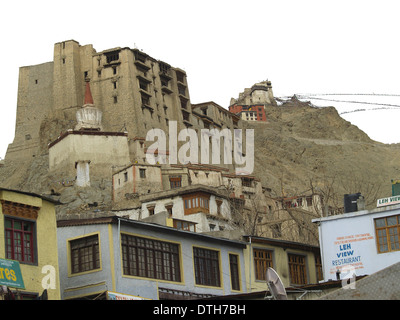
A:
(175, 182)
(142, 173)
(207, 267)
(20, 243)
(234, 268)
(150, 258)
(87, 252)
(297, 269)
(184, 225)
(388, 234)
(263, 259)
(196, 202)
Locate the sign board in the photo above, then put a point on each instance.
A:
(122, 296)
(388, 201)
(10, 274)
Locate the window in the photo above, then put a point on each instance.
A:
(206, 267)
(246, 182)
(182, 90)
(145, 99)
(151, 210)
(219, 204)
(142, 173)
(20, 240)
(183, 103)
(262, 261)
(143, 85)
(300, 202)
(180, 76)
(234, 267)
(169, 209)
(164, 68)
(175, 182)
(198, 202)
(140, 56)
(164, 82)
(297, 269)
(85, 255)
(125, 176)
(150, 258)
(112, 56)
(387, 233)
(184, 225)
(186, 116)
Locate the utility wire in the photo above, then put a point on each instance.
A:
(313, 96)
(348, 101)
(351, 94)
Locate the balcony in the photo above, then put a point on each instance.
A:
(166, 90)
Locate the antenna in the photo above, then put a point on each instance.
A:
(275, 285)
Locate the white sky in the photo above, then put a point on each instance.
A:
(224, 46)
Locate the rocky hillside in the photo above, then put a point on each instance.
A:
(302, 147)
(299, 149)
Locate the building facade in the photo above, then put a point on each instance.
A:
(360, 242)
(28, 228)
(249, 112)
(297, 264)
(145, 260)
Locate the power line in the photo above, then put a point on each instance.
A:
(351, 94)
(313, 96)
(350, 101)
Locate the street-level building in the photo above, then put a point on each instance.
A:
(112, 256)
(360, 242)
(29, 233)
(297, 264)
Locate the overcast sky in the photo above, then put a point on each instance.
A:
(303, 47)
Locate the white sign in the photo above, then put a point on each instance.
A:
(121, 296)
(388, 201)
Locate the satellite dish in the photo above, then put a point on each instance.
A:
(275, 285)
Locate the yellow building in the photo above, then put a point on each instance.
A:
(28, 232)
(297, 264)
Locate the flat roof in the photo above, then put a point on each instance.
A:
(86, 133)
(31, 194)
(358, 213)
(282, 243)
(182, 191)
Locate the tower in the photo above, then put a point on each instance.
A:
(87, 150)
